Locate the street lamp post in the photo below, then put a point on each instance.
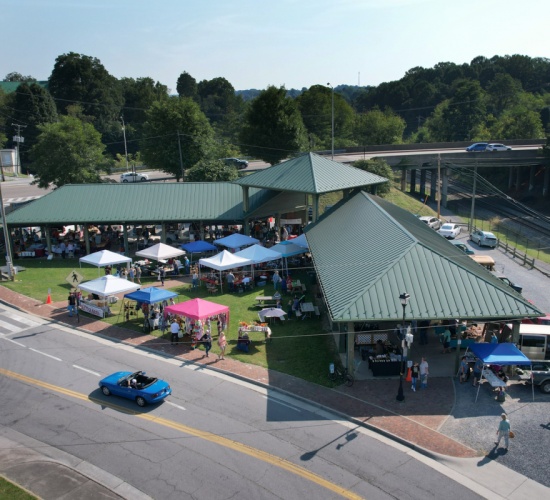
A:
(404, 299)
(332, 118)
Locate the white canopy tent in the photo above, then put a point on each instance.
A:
(223, 261)
(160, 251)
(108, 285)
(104, 258)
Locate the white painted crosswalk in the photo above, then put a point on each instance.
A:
(11, 322)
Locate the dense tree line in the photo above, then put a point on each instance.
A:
(186, 134)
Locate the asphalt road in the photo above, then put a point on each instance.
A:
(214, 438)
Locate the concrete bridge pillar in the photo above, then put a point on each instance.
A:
(413, 181)
(423, 183)
(403, 179)
(433, 183)
(545, 181)
(510, 177)
(444, 186)
(532, 172)
(518, 177)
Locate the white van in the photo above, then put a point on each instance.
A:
(534, 341)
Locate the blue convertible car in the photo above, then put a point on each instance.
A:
(135, 386)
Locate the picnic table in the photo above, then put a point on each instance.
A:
(307, 308)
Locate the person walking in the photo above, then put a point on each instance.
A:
(222, 343)
(503, 431)
(138, 274)
(424, 372)
(206, 340)
(132, 274)
(415, 372)
(162, 274)
(478, 368)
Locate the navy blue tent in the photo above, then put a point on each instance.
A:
(499, 354)
(198, 247)
(151, 295)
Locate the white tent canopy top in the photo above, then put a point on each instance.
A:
(160, 251)
(225, 260)
(108, 285)
(104, 258)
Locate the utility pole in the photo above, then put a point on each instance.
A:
(472, 208)
(332, 89)
(18, 139)
(439, 186)
(7, 240)
(125, 148)
(181, 158)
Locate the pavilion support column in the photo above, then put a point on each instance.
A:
(163, 233)
(546, 181)
(315, 209)
(48, 239)
(403, 179)
(444, 186)
(201, 230)
(510, 178)
(87, 239)
(125, 237)
(423, 183)
(246, 199)
(246, 226)
(346, 193)
(350, 351)
(413, 181)
(532, 172)
(433, 184)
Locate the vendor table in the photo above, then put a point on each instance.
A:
(264, 298)
(492, 379)
(251, 329)
(307, 308)
(384, 367)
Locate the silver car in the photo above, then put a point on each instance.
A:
(432, 222)
(498, 147)
(133, 177)
(484, 238)
(450, 230)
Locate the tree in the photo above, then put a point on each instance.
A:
(377, 127)
(273, 128)
(466, 110)
(166, 120)
(83, 80)
(503, 92)
(378, 167)
(18, 77)
(33, 106)
(518, 123)
(211, 171)
(187, 86)
(67, 152)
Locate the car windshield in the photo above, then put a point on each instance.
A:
(447, 226)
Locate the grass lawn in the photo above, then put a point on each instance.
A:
(9, 491)
(298, 347)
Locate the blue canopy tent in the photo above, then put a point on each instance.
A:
(150, 295)
(236, 240)
(499, 354)
(198, 246)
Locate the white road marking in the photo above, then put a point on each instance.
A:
(10, 340)
(175, 405)
(86, 370)
(44, 354)
(10, 327)
(275, 400)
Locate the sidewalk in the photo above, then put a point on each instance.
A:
(370, 403)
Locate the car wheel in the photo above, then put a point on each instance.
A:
(106, 391)
(125, 180)
(545, 387)
(141, 401)
(143, 179)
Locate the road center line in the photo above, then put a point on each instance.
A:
(86, 370)
(15, 342)
(44, 354)
(175, 405)
(207, 436)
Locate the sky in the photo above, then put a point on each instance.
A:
(256, 43)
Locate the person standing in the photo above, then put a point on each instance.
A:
(162, 274)
(132, 274)
(195, 279)
(276, 280)
(424, 372)
(415, 372)
(72, 303)
(478, 369)
(464, 370)
(446, 339)
(494, 338)
(174, 330)
(138, 274)
(222, 343)
(231, 281)
(186, 265)
(503, 431)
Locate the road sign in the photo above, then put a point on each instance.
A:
(74, 278)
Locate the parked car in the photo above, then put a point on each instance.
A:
(450, 230)
(516, 287)
(135, 386)
(236, 162)
(432, 222)
(498, 147)
(539, 374)
(464, 248)
(484, 239)
(133, 177)
(478, 146)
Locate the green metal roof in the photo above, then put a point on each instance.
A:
(312, 174)
(139, 202)
(367, 251)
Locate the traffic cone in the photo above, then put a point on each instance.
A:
(409, 376)
(49, 299)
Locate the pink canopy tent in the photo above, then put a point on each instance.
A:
(197, 309)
